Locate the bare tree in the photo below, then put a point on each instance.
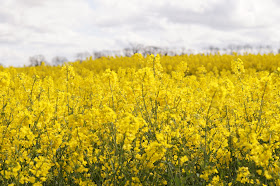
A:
(268, 49)
(97, 54)
(247, 48)
(116, 53)
(107, 53)
(36, 60)
(59, 60)
(183, 51)
(81, 56)
(231, 48)
(238, 49)
(164, 51)
(190, 51)
(152, 50)
(213, 49)
(103, 53)
(260, 48)
(171, 52)
(127, 52)
(136, 48)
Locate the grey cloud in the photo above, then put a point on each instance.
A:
(37, 29)
(4, 18)
(136, 23)
(8, 39)
(30, 3)
(218, 16)
(52, 44)
(5, 41)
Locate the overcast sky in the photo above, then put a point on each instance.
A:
(66, 27)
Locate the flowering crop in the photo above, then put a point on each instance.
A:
(159, 120)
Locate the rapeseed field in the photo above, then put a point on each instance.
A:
(155, 120)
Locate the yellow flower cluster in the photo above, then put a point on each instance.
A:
(159, 120)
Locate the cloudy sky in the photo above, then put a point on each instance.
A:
(66, 27)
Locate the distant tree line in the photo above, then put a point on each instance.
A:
(146, 50)
(37, 60)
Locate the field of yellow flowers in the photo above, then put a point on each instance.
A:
(155, 120)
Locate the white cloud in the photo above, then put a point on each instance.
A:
(65, 27)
